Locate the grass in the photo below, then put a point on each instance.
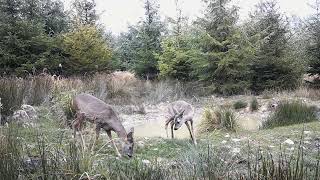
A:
(213, 119)
(288, 113)
(240, 104)
(254, 105)
(61, 158)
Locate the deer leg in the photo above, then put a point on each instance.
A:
(98, 128)
(194, 137)
(166, 126)
(114, 145)
(190, 131)
(172, 124)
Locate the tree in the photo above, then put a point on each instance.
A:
(224, 66)
(25, 48)
(85, 12)
(149, 37)
(313, 47)
(86, 50)
(271, 67)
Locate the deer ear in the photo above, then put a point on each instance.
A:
(130, 135)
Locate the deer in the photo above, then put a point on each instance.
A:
(91, 109)
(179, 113)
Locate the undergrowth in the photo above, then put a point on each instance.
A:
(288, 113)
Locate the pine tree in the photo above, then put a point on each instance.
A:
(271, 68)
(224, 66)
(149, 38)
(85, 12)
(313, 48)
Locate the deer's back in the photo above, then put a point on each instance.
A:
(180, 106)
(93, 107)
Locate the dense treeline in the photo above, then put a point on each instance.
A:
(266, 51)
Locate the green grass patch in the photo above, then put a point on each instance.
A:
(254, 105)
(213, 119)
(288, 113)
(240, 104)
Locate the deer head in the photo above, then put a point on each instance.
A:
(127, 147)
(178, 120)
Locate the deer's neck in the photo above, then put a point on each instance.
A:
(121, 132)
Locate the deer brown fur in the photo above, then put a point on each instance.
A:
(179, 113)
(94, 110)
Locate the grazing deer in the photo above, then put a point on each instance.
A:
(179, 113)
(92, 109)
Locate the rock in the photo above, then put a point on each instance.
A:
(159, 159)
(271, 146)
(145, 161)
(227, 135)
(236, 140)
(30, 111)
(307, 132)
(31, 164)
(20, 116)
(235, 150)
(223, 142)
(289, 141)
(140, 144)
(290, 149)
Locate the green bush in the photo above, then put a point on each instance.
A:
(240, 104)
(10, 154)
(288, 113)
(217, 119)
(254, 105)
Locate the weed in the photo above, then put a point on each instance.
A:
(288, 113)
(240, 104)
(217, 119)
(254, 105)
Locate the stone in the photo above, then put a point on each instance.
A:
(289, 141)
(236, 150)
(30, 111)
(146, 161)
(235, 140)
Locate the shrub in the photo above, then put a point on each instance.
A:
(217, 119)
(9, 153)
(288, 113)
(240, 104)
(254, 105)
(40, 90)
(12, 93)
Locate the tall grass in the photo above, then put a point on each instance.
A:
(254, 105)
(62, 158)
(240, 104)
(288, 113)
(213, 119)
(10, 153)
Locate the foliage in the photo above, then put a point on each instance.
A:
(87, 51)
(26, 35)
(84, 12)
(175, 61)
(254, 105)
(313, 39)
(12, 93)
(288, 113)
(272, 67)
(225, 51)
(240, 104)
(217, 119)
(142, 43)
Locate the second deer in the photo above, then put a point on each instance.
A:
(179, 113)
(94, 110)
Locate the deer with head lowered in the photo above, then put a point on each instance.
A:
(94, 110)
(179, 113)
